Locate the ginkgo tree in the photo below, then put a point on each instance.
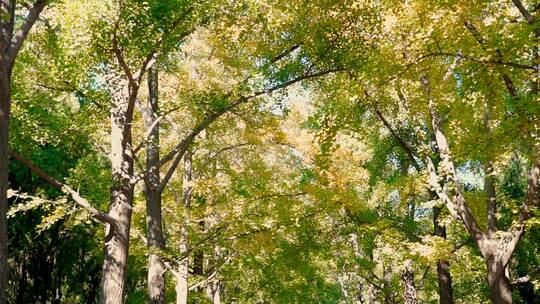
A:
(271, 151)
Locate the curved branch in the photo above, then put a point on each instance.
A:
(177, 153)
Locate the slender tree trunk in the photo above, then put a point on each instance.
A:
(5, 105)
(213, 291)
(183, 267)
(217, 293)
(156, 242)
(198, 254)
(446, 292)
(408, 282)
(117, 238)
(499, 285)
(489, 180)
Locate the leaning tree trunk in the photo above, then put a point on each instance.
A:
(117, 238)
(156, 242)
(5, 104)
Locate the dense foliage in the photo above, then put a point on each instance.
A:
(299, 151)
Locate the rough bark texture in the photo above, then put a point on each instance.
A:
(499, 286)
(156, 265)
(117, 238)
(408, 282)
(4, 154)
(183, 267)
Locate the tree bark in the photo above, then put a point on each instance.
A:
(499, 285)
(496, 251)
(183, 267)
(213, 291)
(444, 279)
(117, 238)
(408, 282)
(11, 42)
(156, 242)
(5, 107)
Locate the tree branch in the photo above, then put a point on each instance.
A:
(82, 202)
(498, 61)
(400, 141)
(16, 42)
(177, 153)
(532, 196)
(507, 80)
(523, 10)
(459, 204)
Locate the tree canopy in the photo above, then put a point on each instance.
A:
(344, 151)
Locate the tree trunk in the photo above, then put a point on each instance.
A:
(5, 106)
(408, 282)
(183, 267)
(198, 254)
(117, 238)
(182, 282)
(213, 291)
(117, 246)
(156, 242)
(446, 292)
(217, 293)
(499, 285)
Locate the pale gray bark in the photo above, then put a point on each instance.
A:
(183, 267)
(117, 240)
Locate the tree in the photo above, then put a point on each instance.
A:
(11, 41)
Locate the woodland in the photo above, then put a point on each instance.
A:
(280, 151)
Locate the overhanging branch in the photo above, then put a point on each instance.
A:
(80, 201)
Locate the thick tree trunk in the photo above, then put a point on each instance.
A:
(5, 105)
(183, 267)
(117, 238)
(156, 266)
(499, 285)
(446, 292)
(117, 246)
(156, 242)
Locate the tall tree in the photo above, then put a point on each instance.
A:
(11, 41)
